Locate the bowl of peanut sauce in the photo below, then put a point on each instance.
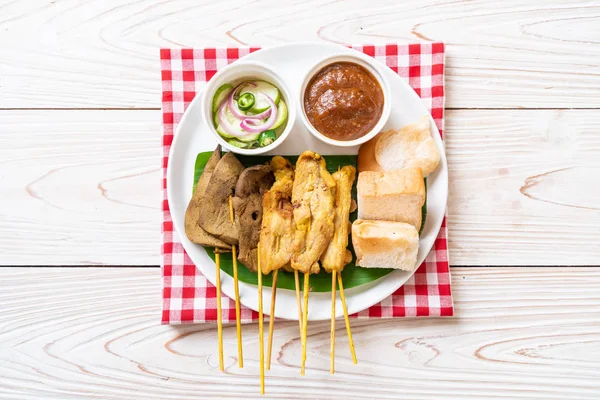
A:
(345, 100)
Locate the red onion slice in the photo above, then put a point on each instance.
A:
(226, 125)
(236, 111)
(262, 115)
(233, 104)
(224, 122)
(233, 107)
(249, 124)
(238, 87)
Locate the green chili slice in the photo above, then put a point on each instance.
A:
(266, 138)
(246, 101)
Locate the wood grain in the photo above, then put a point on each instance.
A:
(93, 333)
(522, 188)
(83, 187)
(64, 54)
(80, 187)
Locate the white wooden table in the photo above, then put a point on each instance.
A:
(80, 199)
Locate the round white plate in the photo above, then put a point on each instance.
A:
(291, 62)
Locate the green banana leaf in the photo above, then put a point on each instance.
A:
(352, 275)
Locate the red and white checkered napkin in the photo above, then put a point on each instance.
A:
(188, 297)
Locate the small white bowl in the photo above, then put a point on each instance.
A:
(237, 72)
(370, 65)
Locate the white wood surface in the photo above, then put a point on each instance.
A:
(82, 187)
(87, 333)
(73, 53)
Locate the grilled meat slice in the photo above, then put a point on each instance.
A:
(193, 230)
(313, 203)
(214, 208)
(335, 257)
(247, 203)
(254, 180)
(277, 229)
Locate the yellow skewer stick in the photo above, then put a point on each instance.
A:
(297, 280)
(236, 286)
(272, 319)
(219, 311)
(332, 350)
(261, 335)
(348, 331)
(304, 322)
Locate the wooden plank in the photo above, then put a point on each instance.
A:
(105, 54)
(83, 187)
(522, 188)
(80, 187)
(88, 333)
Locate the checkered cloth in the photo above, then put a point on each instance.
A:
(188, 297)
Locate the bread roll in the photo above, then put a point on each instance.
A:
(366, 155)
(411, 146)
(385, 244)
(392, 196)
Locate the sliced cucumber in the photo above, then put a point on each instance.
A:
(280, 130)
(261, 103)
(221, 131)
(243, 135)
(230, 117)
(282, 113)
(240, 144)
(250, 137)
(229, 125)
(220, 95)
(216, 118)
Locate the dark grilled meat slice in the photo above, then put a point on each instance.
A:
(251, 185)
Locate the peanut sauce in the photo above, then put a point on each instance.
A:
(343, 101)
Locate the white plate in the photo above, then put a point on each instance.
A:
(291, 62)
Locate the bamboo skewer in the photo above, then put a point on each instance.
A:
(332, 350)
(348, 331)
(219, 311)
(304, 322)
(260, 327)
(272, 318)
(238, 311)
(236, 286)
(297, 280)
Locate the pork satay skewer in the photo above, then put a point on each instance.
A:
(219, 311)
(213, 215)
(337, 256)
(313, 222)
(236, 287)
(197, 234)
(247, 204)
(276, 233)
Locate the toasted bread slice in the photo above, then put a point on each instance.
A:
(385, 244)
(395, 195)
